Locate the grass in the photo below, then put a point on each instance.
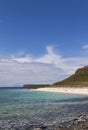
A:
(79, 79)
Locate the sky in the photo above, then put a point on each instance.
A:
(42, 41)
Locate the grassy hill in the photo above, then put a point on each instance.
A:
(79, 79)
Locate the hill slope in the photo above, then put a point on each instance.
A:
(79, 79)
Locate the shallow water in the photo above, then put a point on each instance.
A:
(44, 105)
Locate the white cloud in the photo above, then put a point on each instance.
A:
(49, 68)
(23, 59)
(85, 46)
(16, 73)
(50, 58)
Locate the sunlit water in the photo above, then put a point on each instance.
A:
(44, 105)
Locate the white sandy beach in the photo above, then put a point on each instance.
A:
(83, 90)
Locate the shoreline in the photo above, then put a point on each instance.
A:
(26, 115)
(70, 90)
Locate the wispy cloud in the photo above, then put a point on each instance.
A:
(49, 68)
(85, 46)
(51, 57)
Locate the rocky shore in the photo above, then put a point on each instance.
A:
(26, 123)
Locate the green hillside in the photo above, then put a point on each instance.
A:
(79, 79)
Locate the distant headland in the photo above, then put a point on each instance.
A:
(78, 79)
(35, 86)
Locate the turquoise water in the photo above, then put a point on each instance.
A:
(44, 105)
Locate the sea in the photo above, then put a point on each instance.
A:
(36, 106)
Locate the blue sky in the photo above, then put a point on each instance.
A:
(43, 35)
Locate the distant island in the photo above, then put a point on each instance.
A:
(78, 79)
(35, 86)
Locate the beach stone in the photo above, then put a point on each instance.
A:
(23, 123)
(43, 127)
(12, 129)
(37, 129)
(27, 126)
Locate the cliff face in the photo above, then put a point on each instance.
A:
(79, 79)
